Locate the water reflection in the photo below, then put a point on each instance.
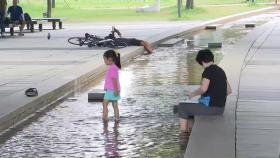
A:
(111, 140)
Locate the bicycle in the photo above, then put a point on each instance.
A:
(96, 41)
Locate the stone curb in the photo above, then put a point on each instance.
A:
(223, 139)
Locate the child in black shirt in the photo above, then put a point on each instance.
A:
(213, 90)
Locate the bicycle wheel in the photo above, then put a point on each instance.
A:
(80, 41)
(77, 41)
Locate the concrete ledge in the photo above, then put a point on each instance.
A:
(171, 42)
(96, 96)
(215, 45)
(208, 138)
(215, 136)
(249, 25)
(212, 27)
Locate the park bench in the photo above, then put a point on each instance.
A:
(11, 26)
(52, 20)
(30, 24)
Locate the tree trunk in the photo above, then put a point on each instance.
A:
(189, 4)
(53, 3)
(179, 7)
(49, 11)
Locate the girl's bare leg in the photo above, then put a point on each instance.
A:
(105, 110)
(116, 111)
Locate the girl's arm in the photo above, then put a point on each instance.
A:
(116, 89)
(202, 89)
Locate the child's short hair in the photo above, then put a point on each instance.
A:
(204, 55)
(116, 57)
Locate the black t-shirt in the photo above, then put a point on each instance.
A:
(217, 89)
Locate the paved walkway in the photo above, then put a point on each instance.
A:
(25, 61)
(258, 108)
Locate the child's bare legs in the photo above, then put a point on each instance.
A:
(116, 111)
(21, 27)
(183, 125)
(186, 125)
(105, 110)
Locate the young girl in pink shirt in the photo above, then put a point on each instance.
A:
(112, 85)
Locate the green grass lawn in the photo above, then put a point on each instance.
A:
(41, 4)
(206, 2)
(92, 10)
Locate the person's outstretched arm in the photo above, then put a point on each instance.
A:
(202, 89)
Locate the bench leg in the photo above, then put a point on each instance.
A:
(32, 27)
(60, 25)
(28, 26)
(11, 31)
(54, 25)
(40, 27)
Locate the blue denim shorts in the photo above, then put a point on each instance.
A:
(110, 96)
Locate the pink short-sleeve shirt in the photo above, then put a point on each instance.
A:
(112, 73)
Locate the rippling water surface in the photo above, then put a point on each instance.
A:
(151, 85)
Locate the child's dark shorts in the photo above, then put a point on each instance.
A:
(188, 110)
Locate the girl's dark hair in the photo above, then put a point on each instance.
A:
(204, 55)
(116, 57)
